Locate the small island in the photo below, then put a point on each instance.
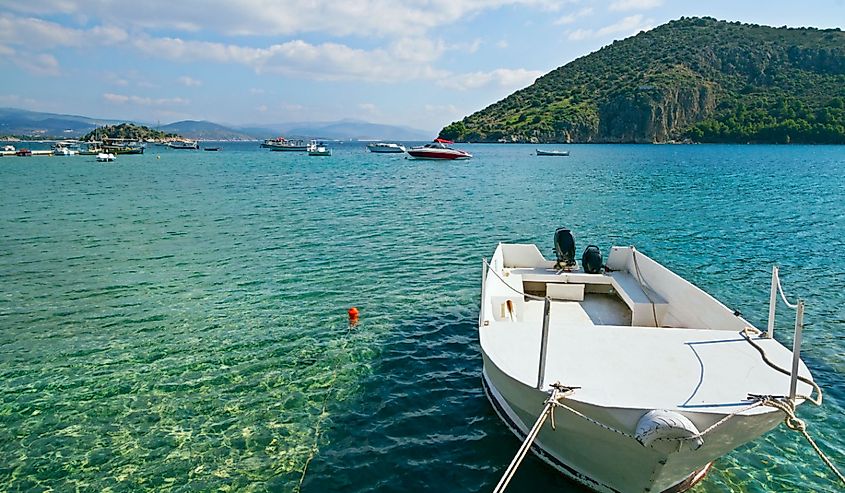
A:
(128, 131)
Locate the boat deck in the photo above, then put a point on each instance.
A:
(619, 365)
(625, 344)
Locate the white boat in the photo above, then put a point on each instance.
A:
(65, 148)
(9, 148)
(105, 157)
(316, 148)
(439, 149)
(386, 147)
(183, 144)
(651, 378)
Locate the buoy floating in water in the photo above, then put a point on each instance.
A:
(353, 316)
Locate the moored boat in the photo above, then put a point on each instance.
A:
(183, 144)
(122, 146)
(385, 147)
(439, 149)
(285, 145)
(105, 157)
(316, 148)
(552, 152)
(647, 378)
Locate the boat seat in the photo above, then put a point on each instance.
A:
(639, 299)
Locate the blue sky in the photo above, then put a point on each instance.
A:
(421, 63)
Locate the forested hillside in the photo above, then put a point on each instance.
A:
(696, 79)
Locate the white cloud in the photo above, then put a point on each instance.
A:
(502, 43)
(502, 77)
(370, 18)
(189, 81)
(41, 64)
(37, 34)
(368, 107)
(626, 27)
(143, 101)
(326, 61)
(627, 5)
(571, 18)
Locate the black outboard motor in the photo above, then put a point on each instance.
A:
(591, 260)
(564, 249)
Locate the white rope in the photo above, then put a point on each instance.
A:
(783, 296)
(558, 391)
(793, 422)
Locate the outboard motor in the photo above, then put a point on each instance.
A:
(591, 261)
(565, 249)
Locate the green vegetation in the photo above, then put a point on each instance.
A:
(127, 131)
(694, 79)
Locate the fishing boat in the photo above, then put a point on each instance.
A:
(316, 148)
(122, 146)
(285, 145)
(65, 148)
(439, 149)
(541, 152)
(385, 147)
(105, 157)
(647, 378)
(183, 144)
(91, 148)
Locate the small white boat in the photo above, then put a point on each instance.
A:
(183, 144)
(65, 148)
(439, 149)
(9, 148)
(386, 147)
(541, 152)
(651, 379)
(316, 148)
(105, 157)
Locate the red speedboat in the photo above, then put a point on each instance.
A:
(438, 149)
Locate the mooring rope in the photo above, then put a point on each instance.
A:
(795, 423)
(558, 392)
(315, 446)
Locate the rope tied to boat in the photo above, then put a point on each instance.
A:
(795, 423)
(557, 392)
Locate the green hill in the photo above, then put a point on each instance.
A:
(695, 78)
(127, 131)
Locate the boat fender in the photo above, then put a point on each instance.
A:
(668, 431)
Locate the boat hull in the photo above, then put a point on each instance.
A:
(437, 154)
(603, 460)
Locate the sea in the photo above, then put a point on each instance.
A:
(177, 321)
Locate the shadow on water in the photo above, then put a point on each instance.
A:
(421, 422)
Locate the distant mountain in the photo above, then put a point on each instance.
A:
(15, 121)
(20, 122)
(339, 130)
(203, 130)
(694, 78)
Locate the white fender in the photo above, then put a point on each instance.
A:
(668, 431)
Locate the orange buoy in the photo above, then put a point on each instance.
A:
(353, 316)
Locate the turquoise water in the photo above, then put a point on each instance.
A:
(177, 321)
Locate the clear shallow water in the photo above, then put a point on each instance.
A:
(180, 323)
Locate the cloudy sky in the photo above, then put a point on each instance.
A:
(421, 63)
